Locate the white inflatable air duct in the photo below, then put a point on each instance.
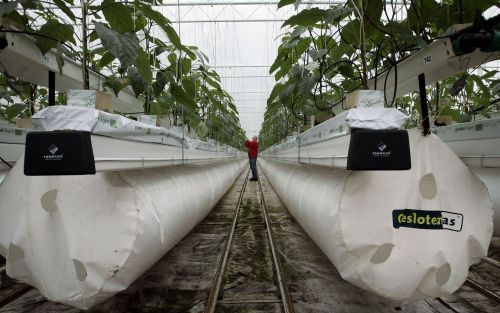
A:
(400, 234)
(491, 178)
(81, 239)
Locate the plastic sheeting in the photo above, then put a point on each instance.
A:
(491, 178)
(376, 118)
(81, 239)
(400, 234)
(103, 123)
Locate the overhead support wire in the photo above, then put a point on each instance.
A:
(246, 3)
(237, 66)
(231, 21)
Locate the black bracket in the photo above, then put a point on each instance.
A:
(424, 108)
(52, 88)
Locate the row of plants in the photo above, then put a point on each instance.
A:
(327, 53)
(135, 47)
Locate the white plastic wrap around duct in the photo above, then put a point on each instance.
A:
(400, 234)
(491, 178)
(81, 239)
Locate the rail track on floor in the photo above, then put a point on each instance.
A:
(217, 291)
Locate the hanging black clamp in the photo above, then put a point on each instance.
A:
(481, 34)
(424, 108)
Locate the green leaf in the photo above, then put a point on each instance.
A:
(140, 22)
(276, 90)
(302, 46)
(286, 93)
(59, 58)
(189, 87)
(123, 46)
(350, 32)
(53, 33)
(172, 58)
(186, 65)
(307, 84)
(212, 82)
(63, 7)
(338, 12)
(16, 20)
(29, 4)
(118, 16)
(489, 74)
(188, 51)
(162, 77)
(182, 97)
(157, 17)
(307, 17)
(202, 56)
(160, 49)
(136, 81)
(283, 3)
(173, 37)
(114, 83)
(107, 58)
(144, 67)
(374, 10)
(282, 52)
(93, 36)
(317, 54)
(7, 8)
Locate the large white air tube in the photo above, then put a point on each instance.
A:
(491, 178)
(81, 239)
(359, 219)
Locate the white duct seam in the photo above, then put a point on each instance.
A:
(350, 217)
(81, 239)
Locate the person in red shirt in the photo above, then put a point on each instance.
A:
(253, 151)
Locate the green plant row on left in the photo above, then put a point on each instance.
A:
(136, 47)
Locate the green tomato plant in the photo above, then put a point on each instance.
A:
(327, 53)
(117, 39)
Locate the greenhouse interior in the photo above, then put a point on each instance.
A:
(250, 156)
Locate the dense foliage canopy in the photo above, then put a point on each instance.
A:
(135, 47)
(327, 53)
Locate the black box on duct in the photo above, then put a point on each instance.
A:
(379, 150)
(58, 153)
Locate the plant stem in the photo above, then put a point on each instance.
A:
(85, 71)
(364, 78)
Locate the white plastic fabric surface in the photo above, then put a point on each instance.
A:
(102, 123)
(147, 119)
(491, 178)
(376, 118)
(365, 99)
(82, 98)
(81, 239)
(350, 216)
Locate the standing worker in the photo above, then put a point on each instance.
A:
(253, 151)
